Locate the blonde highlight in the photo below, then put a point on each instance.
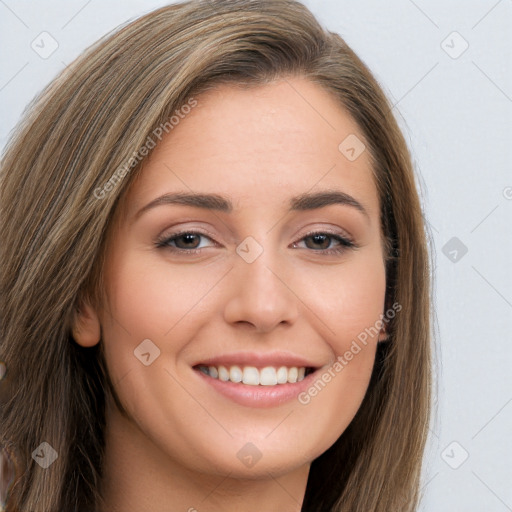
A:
(55, 235)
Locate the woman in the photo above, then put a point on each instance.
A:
(215, 277)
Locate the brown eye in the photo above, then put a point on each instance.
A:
(320, 240)
(323, 243)
(187, 241)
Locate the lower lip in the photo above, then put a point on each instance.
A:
(258, 396)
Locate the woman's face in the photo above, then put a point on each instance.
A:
(215, 272)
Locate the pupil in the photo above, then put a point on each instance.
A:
(189, 238)
(321, 240)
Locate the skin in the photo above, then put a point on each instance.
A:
(177, 450)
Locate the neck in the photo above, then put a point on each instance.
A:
(138, 475)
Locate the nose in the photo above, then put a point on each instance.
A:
(260, 295)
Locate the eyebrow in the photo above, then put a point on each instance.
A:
(303, 202)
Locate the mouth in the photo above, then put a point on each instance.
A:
(255, 379)
(256, 376)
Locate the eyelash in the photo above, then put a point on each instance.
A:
(344, 243)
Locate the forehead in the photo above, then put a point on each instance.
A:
(260, 145)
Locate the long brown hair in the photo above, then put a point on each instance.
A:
(62, 177)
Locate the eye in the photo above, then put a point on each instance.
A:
(186, 241)
(326, 243)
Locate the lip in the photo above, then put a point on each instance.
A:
(258, 396)
(258, 360)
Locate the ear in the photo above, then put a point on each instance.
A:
(383, 334)
(86, 327)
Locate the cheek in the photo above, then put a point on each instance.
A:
(148, 297)
(151, 299)
(349, 306)
(348, 299)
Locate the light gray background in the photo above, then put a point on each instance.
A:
(456, 114)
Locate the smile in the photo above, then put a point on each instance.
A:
(257, 379)
(252, 376)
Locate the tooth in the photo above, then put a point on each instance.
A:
(235, 374)
(251, 376)
(282, 375)
(203, 369)
(268, 376)
(223, 373)
(293, 373)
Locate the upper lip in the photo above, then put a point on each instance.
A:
(257, 359)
